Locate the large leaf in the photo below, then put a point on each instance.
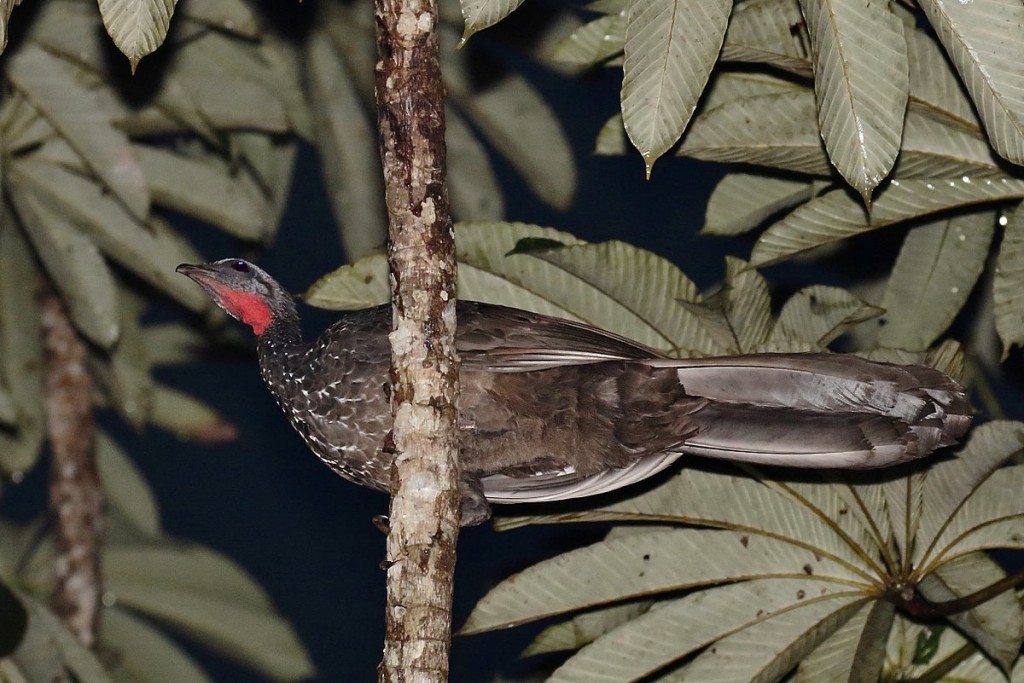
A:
(74, 265)
(934, 147)
(932, 278)
(983, 38)
(208, 598)
(997, 625)
(473, 186)
(769, 32)
(669, 633)
(671, 46)
(522, 126)
(144, 654)
(137, 27)
(80, 117)
(347, 144)
(207, 188)
(641, 565)
(742, 201)
(152, 253)
(766, 651)
(49, 651)
(820, 314)
(581, 629)
(855, 652)
(779, 130)
(592, 43)
(1008, 282)
(21, 361)
(125, 487)
(954, 506)
(647, 285)
(480, 14)
(836, 215)
(861, 83)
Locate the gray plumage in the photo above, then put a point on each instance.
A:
(552, 409)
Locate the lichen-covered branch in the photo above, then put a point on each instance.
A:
(76, 499)
(425, 499)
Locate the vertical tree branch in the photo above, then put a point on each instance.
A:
(76, 499)
(425, 499)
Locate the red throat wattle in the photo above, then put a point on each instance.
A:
(249, 308)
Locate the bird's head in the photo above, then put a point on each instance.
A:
(244, 290)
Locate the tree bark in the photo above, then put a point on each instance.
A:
(424, 517)
(76, 498)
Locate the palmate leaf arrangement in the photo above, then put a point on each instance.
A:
(720, 575)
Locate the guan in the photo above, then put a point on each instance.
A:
(552, 409)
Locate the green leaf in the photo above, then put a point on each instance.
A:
(997, 625)
(735, 85)
(210, 599)
(820, 314)
(670, 49)
(769, 32)
(1008, 282)
(933, 147)
(235, 16)
(861, 85)
(611, 139)
(928, 644)
(855, 652)
(779, 130)
(80, 117)
(983, 40)
(935, 89)
(75, 266)
(171, 343)
(357, 285)
(836, 215)
(954, 505)
(125, 487)
(640, 566)
(742, 201)
(137, 27)
(142, 654)
(532, 139)
(149, 251)
(669, 632)
(934, 274)
(747, 304)
(473, 187)
(584, 628)
(592, 43)
(255, 100)
(766, 651)
(480, 14)
(647, 289)
(49, 652)
(206, 188)
(347, 143)
(21, 362)
(189, 418)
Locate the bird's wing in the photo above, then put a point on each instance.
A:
(564, 484)
(495, 338)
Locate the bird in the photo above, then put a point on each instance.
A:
(552, 409)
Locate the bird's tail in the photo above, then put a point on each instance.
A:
(819, 410)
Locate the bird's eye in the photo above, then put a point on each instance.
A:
(240, 265)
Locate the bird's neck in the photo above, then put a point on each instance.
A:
(282, 329)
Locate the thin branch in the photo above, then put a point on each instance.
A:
(916, 605)
(76, 499)
(425, 498)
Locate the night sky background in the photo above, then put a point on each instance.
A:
(304, 533)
